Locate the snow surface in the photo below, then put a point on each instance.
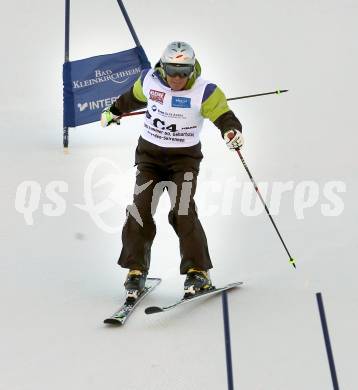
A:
(59, 277)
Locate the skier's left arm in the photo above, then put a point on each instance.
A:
(214, 107)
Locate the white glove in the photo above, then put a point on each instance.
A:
(234, 139)
(107, 118)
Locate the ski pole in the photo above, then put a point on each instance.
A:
(260, 94)
(133, 113)
(291, 259)
(234, 98)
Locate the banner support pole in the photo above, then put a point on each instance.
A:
(128, 21)
(67, 58)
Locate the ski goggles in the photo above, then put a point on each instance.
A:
(182, 71)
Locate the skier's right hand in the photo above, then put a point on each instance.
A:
(107, 117)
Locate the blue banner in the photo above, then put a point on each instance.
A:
(91, 84)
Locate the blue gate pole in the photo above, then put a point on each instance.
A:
(67, 58)
(67, 30)
(230, 380)
(128, 21)
(327, 341)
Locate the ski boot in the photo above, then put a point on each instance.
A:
(135, 283)
(196, 281)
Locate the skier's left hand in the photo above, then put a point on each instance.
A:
(234, 139)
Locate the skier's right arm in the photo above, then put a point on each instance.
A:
(131, 100)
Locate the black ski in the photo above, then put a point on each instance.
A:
(213, 291)
(121, 315)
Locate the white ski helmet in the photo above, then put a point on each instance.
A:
(178, 58)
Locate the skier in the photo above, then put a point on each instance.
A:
(168, 155)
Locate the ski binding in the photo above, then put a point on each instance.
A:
(122, 314)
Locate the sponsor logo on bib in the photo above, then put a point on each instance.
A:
(156, 96)
(181, 102)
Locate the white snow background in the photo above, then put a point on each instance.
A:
(59, 277)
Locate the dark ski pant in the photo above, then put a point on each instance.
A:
(164, 169)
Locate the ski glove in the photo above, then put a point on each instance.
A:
(234, 139)
(107, 118)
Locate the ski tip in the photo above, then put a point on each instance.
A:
(153, 309)
(112, 321)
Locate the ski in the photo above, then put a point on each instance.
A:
(196, 297)
(122, 314)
